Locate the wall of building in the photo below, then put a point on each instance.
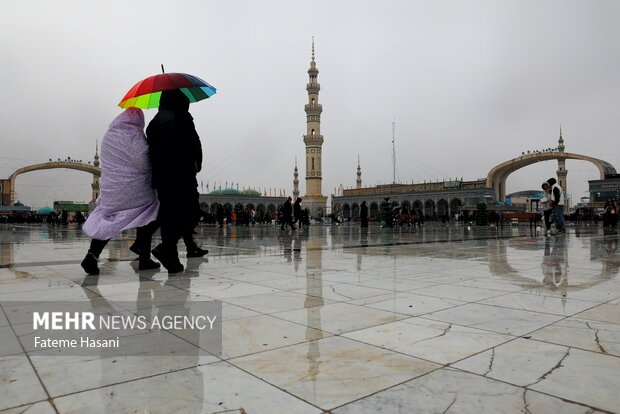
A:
(602, 190)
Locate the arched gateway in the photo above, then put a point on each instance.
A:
(496, 179)
(7, 187)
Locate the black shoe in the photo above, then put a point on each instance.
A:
(134, 248)
(148, 264)
(171, 264)
(89, 264)
(175, 268)
(197, 252)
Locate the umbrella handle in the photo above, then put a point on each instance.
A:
(162, 68)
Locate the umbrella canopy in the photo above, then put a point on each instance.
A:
(145, 94)
(45, 210)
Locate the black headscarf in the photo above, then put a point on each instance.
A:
(174, 100)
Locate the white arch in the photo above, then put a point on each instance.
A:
(496, 178)
(91, 169)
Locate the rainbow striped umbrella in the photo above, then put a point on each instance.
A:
(145, 94)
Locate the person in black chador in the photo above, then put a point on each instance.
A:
(287, 214)
(297, 212)
(176, 158)
(364, 214)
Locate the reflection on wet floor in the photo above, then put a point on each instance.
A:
(333, 318)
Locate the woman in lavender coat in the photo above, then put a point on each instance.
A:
(126, 200)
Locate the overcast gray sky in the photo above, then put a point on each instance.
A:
(470, 84)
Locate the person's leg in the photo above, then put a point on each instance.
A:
(192, 248)
(558, 213)
(97, 246)
(89, 264)
(188, 239)
(166, 252)
(547, 215)
(144, 236)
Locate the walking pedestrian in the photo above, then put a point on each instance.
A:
(219, 215)
(557, 202)
(546, 206)
(252, 216)
(126, 199)
(364, 214)
(610, 216)
(287, 214)
(172, 140)
(297, 212)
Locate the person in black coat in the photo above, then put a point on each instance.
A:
(287, 214)
(176, 157)
(364, 214)
(297, 211)
(219, 215)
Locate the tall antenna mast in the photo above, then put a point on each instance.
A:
(394, 151)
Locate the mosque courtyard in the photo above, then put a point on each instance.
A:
(327, 319)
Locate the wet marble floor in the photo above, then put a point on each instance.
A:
(331, 319)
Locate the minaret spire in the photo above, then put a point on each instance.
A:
(358, 181)
(295, 181)
(562, 171)
(313, 48)
(96, 161)
(95, 184)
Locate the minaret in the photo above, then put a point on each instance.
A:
(562, 172)
(295, 182)
(95, 184)
(313, 139)
(96, 162)
(358, 182)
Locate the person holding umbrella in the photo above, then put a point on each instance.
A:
(173, 151)
(126, 200)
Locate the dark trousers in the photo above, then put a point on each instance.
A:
(188, 239)
(144, 235)
(547, 217)
(178, 215)
(287, 221)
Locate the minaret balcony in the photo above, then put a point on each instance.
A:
(317, 139)
(315, 109)
(313, 87)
